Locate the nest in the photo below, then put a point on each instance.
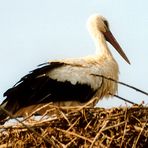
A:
(84, 127)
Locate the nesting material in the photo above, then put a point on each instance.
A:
(82, 126)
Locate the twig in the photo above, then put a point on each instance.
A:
(74, 134)
(123, 99)
(113, 126)
(29, 128)
(38, 109)
(127, 85)
(73, 124)
(59, 143)
(135, 143)
(88, 104)
(68, 144)
(98, 134)
(125, 126)
(64, 116)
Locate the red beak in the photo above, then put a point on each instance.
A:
(111, 39)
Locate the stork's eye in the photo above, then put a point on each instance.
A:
(106, 23)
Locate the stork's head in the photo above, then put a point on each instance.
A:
(98, 25)
(97, 22)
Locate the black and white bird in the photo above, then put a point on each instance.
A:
(68, 82)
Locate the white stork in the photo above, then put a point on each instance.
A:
(69, 82)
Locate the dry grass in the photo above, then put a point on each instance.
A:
(83, 127)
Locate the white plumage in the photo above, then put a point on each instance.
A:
(70, 81)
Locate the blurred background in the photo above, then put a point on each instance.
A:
(35, 31)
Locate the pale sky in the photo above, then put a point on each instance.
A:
(35, 31)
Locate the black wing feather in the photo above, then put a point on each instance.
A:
(37, 87)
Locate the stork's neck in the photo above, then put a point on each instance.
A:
(101, 46)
